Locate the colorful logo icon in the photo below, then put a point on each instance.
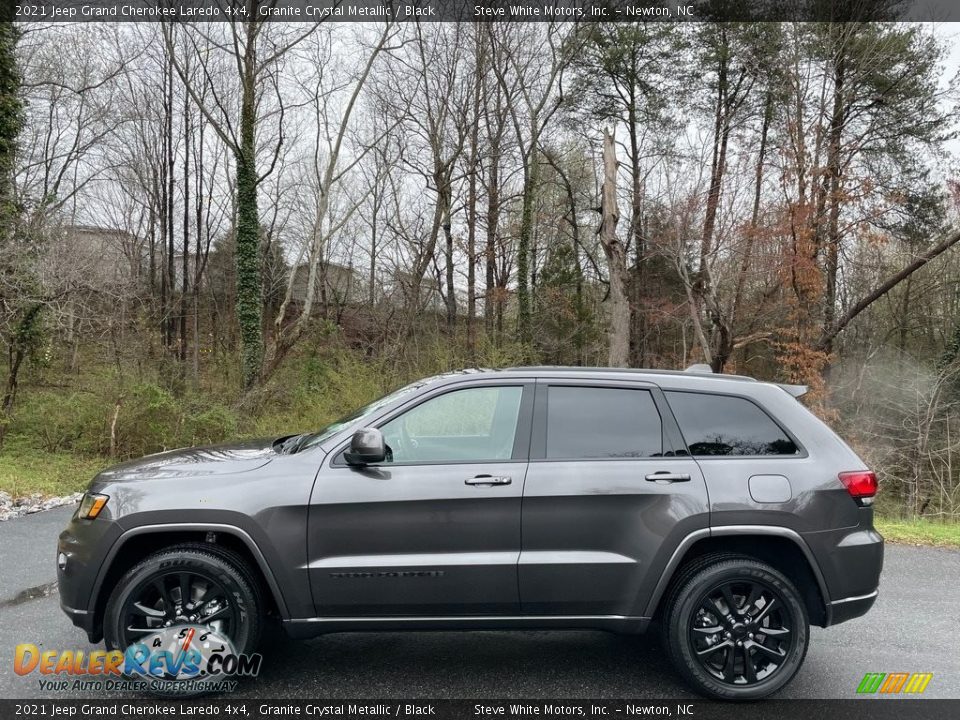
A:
(894, 683)
(181, 660)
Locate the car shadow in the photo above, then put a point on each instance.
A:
(477, 664)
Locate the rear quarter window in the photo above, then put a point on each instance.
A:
(714, 425)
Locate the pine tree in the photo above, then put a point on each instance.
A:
(11, 122)
(24, 319)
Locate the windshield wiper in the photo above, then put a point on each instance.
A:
(296, 443)
(287, 447)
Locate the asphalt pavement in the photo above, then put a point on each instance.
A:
(912, 628)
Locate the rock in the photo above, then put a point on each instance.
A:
(27, 500)
(11, 508)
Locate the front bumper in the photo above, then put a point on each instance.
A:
(83, 547)
(86, 621)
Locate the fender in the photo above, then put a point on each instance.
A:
(233, 530)
(733, 530)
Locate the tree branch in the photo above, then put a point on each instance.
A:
(863, 303)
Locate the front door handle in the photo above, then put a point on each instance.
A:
(665, 476)
(488, 480)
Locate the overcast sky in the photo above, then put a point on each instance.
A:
(950, 32)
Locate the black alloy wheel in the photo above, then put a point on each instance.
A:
(189, 584)
(175, 598)
(742, 632)
(735, 627)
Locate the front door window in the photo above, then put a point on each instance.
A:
(470, 425)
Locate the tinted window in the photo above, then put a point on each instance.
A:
(590, 422)
(472, 424)
(725, 425)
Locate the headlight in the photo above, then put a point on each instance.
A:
(90, 506)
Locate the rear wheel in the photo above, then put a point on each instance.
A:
(187, 584)
(735, 628)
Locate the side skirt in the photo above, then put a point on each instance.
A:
(311, 627)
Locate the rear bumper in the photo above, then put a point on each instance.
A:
(849, 608)
(850, 560)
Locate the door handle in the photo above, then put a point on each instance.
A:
(665, 476)
(488, 480)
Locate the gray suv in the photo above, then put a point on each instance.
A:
(714, 508)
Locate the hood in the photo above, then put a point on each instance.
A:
(224, 459)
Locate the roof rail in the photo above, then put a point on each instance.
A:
(701, 368)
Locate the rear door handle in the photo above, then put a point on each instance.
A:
(488, 480)
(665, 476)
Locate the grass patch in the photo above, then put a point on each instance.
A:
(34, 471)
(919, 532)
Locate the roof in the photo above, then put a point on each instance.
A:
(694, 377)
(577, 370)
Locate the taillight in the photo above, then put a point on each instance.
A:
(860, 483)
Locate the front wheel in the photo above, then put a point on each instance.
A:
(736, 628)
(189, 584)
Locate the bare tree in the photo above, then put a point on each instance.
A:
(615, 252)
(256, 48)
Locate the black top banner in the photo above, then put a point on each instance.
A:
(314, 11)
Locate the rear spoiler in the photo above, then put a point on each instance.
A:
(796, 390)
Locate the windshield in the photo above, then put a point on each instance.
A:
(357, 415)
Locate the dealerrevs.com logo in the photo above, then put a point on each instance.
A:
(178, 660)
(894, 683)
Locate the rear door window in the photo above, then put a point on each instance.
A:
(727, 425)
(602, 422)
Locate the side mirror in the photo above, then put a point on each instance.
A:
(366, 448)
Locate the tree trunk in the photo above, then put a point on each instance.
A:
(448, 256)
(198, 267)
(493, 300)
(638, 334)
(23, 337)
(185, 259)
(832, 250)
(472, 203)
(523, 248)
(619, 333)
(249, 290)
(169, 318)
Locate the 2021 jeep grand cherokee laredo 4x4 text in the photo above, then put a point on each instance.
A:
(716, 506)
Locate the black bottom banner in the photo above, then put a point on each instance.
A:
(868, 709)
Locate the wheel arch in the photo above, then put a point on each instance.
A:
(780, 547)
(136, 543)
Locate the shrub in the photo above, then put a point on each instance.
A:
(207, 424)
(78, 421)
(148, 421)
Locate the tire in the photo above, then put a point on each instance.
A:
(227, 569)
(723, 651)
